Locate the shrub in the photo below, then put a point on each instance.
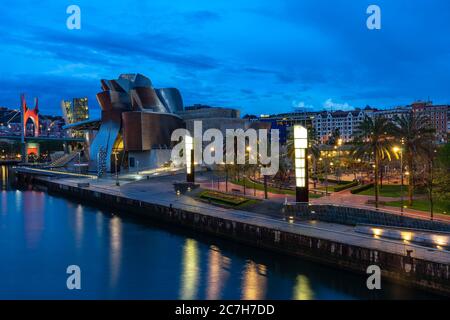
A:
(346, 186)
(341, 182)
(362, 188)
(223, 197)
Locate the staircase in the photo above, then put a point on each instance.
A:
(62, 161)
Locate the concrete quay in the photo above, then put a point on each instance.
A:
(334, 244)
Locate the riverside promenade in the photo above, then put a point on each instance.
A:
(341, 198)
(334, 244)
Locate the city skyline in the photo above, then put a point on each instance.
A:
(316, 55)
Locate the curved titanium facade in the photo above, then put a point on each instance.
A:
(171, 98)
(146, 99)
(143, 131)
(133, 109)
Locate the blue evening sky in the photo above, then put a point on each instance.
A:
(260, 56)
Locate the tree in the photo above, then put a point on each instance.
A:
(441, 176)
(285, 166)
(334, 137)
(415, 133)
(373, 139)
(430, 157)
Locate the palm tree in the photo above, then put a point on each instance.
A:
(415, 133)
(334, 137)
(373, 139)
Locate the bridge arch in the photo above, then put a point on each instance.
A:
(30, 114)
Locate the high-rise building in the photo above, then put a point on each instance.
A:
(75, 111)
(392, 113)
(437, 115)
(324, 123)
(66, 107)
(284, 122)
(345, 122)
(80, 109)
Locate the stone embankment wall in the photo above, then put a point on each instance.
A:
(401, 268)
(355, 216)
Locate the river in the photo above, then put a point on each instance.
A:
(124, 258)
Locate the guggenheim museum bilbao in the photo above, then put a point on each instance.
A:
(137, 121)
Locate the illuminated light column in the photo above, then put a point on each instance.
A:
(190, 159)
(301, 164)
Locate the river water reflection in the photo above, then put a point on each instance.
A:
(124, 258)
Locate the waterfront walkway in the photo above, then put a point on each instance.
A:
(160, 191)
(342, 198)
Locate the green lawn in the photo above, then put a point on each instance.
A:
(221, 198)
(389, 190)
(338, 187)
(440, 206)
(259, 186)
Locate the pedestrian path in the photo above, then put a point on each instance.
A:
(160, 191)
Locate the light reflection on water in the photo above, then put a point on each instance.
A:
(302, 289)
(191, 270)
(33, 218)
(218, 266)
(115, 247)
(4, 177)
(79, 226)
(40, 235)
(254, 281)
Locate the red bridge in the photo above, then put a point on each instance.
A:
(30, 114)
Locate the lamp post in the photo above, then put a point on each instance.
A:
(117, 171)
(79, 162)
(339, 142)
(400, 150)
(301, 163)
(247, 151)
(226, 177)
(254, 183)
(189, 159)
(265, 187)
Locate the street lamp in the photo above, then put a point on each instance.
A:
(339, 142)
(325, 170)
(226, 177)
(117, 171)
(247, 149)
(399, 150)
(79, 162)
(301, 163)
(189, 159)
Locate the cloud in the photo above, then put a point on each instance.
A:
(107, 48)
(302, 106)
(50, 89)
(330, 105)
(241, 53)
